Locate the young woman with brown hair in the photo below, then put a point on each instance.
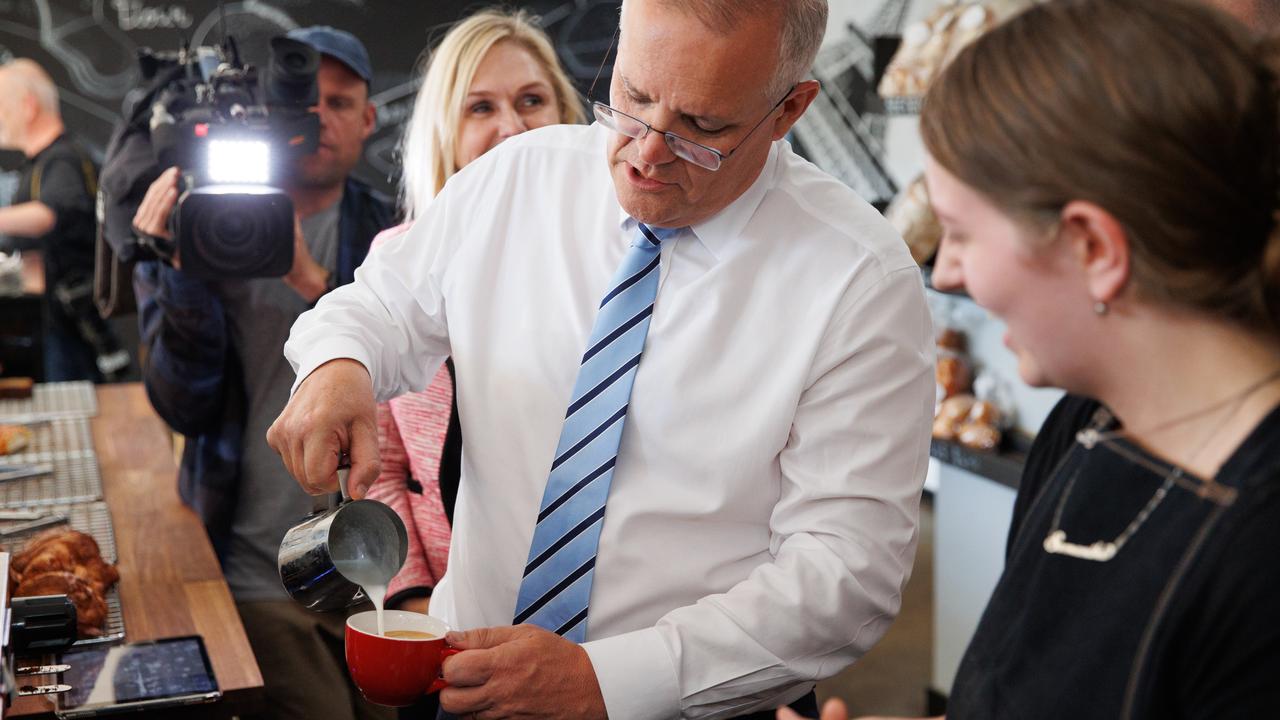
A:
(1108, 175)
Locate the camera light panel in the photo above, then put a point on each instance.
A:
(239, 161)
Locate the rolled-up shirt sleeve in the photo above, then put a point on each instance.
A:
(843, 533)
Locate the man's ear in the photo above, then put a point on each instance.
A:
(805, 92)
(1100, 244)
(370, 120)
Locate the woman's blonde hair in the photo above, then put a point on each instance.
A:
(429, 145)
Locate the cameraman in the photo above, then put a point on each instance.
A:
(52, 210)
(215, 371)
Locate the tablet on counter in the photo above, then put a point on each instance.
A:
(136, 676)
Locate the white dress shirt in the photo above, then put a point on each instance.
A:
(762, 518)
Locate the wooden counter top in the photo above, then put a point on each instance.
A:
(170, 580)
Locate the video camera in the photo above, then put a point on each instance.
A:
(236, 134)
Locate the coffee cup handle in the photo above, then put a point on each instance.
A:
(440, 683)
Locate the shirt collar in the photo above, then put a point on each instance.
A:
(717, 231)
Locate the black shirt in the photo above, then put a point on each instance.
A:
(62, 177)
(1184, 621)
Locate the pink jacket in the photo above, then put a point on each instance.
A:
(411, 435)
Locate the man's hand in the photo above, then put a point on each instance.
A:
(332, 411)
(307, 277)
(152, 217)
(833, 709)
(522, 671)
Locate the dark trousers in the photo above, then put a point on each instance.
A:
(806, 706)
(303, 662)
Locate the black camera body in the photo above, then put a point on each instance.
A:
(236, 134)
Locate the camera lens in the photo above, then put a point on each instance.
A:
(291, 76)
(236, 234)
(294, 62)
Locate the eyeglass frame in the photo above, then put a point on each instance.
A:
(673, 139)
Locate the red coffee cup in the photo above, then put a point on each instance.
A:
(396, 671)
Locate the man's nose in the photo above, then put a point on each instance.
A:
(321, 113)
(653, 149)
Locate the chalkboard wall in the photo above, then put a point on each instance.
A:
(89, 47)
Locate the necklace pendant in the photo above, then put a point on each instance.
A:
(1088, 438)
(1055, 543)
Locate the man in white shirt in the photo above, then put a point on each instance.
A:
(761, 519)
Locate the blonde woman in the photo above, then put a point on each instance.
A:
(494, 75)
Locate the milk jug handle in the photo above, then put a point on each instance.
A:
(343, 495)
(343, 472)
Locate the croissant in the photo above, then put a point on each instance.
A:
(91, 608)
(14, 438)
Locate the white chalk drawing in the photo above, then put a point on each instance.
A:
(245, 20)
(136, 15)
(90, 75)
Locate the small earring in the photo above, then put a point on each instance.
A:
(1100, 308)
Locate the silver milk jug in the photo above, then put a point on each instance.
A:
(328, 558)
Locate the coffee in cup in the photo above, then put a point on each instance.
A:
(401, 666)
(410, 635)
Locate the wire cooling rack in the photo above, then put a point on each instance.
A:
(59, 399)
(95, 520)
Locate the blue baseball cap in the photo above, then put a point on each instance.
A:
(339, 45)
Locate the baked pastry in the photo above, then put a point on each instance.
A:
(952, 340)
(928, 45)
(14, 438)
(912, 216)
(952, 375)
(978, 436)
(951, 412)
(16, 388)
(66, 562)
(91, 608)
(986, 412)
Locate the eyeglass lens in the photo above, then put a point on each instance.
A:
(633, 128)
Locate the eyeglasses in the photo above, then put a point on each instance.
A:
(683, 148)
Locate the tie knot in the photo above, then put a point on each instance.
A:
(654, 236)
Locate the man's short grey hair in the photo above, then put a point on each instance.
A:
(804, 23)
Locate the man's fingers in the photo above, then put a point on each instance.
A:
(834, 709)
(277, 440)
(320, 465)
(468, 669)
(331, 410)
(786, 713)
(153, 212)
(365, 464)
(483, 637)
(464, 701)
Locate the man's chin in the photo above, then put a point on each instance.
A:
(316, 176)
(651, 208)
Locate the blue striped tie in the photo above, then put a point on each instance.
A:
(557, 578)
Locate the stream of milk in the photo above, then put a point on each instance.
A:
(370, 577)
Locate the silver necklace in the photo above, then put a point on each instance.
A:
(1056, 542)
